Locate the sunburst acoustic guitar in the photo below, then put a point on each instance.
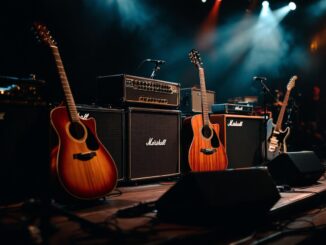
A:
(80, 163)
(206, 152)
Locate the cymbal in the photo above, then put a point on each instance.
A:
(5, 80)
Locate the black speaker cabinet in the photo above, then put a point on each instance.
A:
(231, 197)
(110, 124)
(242, 138)
(296, 168)
(153, 143)
(24, 151)
(191, 100)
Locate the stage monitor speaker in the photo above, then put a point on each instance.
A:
(110, 125)
(242, 138)
(296, 168)
(24, 151)
(231, 197)
(153, 143)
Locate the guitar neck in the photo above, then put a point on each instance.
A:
(282, 111)
(70, 102)
(203, 96)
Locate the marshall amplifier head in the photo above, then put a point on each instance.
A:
(126, 90)
(227, 108)
(153, 143)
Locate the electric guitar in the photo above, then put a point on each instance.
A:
(206, 152)
(79, 163)
(276, 137)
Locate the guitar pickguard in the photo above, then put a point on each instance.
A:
(276, 141)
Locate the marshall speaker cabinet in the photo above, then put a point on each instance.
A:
(110, 125)
(24, 151)
(153, 143)
(242, 137)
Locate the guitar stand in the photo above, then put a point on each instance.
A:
(44, 229)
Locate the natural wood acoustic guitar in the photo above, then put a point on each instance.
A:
(206, 152)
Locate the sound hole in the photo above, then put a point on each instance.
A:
(91, 141)
(76, 130)
(214, 141)
(206, 131)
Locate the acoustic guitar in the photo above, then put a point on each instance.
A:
(206, 152)
(276, 137)
(79, 163)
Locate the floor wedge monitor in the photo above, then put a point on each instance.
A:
(220, 197)
(296, 168)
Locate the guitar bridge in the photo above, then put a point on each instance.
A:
(208, 151)
(84, 156)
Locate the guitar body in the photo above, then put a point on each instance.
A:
(80, 163)
(206, 152)
(276, 140)
(275, 136)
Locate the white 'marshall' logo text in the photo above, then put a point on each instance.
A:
(235, 123)
(85, 116)
(152, 142)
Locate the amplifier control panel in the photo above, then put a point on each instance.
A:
(125, 90)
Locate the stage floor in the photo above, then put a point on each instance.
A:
(298, 216)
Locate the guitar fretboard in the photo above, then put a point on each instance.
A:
(203, 96)
(282, 111)
(70, 102)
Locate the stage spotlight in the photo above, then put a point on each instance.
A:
(203, 1)
(292, 6)
(265, 4)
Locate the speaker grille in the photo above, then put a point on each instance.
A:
(191, 100)
(24, 151)
(110, 131)
(154, 142)
(242, 137)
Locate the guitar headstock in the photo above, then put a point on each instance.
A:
(291, 83)
(195, 58)
(43, 34)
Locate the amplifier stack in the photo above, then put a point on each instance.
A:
(146, 144)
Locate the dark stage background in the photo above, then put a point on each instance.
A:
(103, 37)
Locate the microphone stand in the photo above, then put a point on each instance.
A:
(266, 91)
(155, 69)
